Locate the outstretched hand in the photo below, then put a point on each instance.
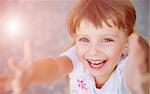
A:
(22, 73)
(137, 68)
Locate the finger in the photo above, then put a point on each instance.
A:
(27, 51)
(16, 82)
(16, 86)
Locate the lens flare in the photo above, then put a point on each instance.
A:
(13, 27)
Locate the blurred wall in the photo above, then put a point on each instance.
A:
(143, 18)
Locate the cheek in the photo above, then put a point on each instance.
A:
(114, 52)
(82, 49)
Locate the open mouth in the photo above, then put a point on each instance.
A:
(96, 63)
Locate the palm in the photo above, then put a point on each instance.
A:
(21, 76)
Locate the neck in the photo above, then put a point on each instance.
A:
(101, 80)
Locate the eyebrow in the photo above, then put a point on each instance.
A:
(114, 35)
(81, 35)
(111, 35)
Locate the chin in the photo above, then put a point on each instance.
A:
(97, 73)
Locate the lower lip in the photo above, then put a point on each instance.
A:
(97, 66)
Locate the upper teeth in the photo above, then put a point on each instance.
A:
(96, 61)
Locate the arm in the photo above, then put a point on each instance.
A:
(51, 68)
(34, 71)
(39, 71)
(137, 67)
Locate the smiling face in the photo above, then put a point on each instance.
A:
(99, 49)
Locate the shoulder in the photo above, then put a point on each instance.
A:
(71, 54)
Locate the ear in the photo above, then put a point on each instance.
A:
(125, 48)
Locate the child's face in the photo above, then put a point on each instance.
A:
(100, 49)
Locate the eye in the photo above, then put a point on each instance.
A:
(107, 40)
(83, 40)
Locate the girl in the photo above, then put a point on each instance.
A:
(103, 58)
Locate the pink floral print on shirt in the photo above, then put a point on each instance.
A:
(82, 85)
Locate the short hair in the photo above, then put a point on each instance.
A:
(121, 12)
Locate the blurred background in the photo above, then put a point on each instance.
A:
(43, 22)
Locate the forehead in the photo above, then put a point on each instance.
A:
(88, 27)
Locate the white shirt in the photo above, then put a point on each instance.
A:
(82, 83)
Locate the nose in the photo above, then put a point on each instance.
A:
(94, 49)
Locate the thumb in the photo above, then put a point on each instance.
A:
(139, 52)
(13, 65)
(15, 83)
(137, 44)
(133, 42)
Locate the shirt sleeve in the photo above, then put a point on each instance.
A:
(72, 55)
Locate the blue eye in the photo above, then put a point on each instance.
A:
(84, 40)
(107, 40)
